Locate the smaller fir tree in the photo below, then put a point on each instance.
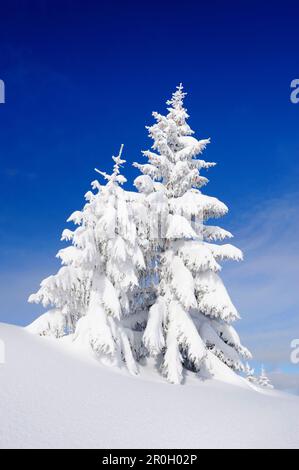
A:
(95, 290)
(249, 372)
(263, 380)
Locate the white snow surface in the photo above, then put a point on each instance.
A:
(55, 396)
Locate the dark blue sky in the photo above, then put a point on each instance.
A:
(83, 77)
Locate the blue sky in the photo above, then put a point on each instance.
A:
(83, 77)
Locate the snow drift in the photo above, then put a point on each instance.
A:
(53, 396)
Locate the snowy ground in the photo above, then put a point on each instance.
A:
(52, 397)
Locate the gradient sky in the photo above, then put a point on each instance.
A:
(83, 77)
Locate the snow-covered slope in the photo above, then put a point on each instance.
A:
(52, 396)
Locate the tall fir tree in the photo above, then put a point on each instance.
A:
(192, 312)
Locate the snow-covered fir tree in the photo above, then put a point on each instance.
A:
(263, 380)
(95, 291)
(249, 373)
(190, 321)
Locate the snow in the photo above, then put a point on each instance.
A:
(214, 233)
(198, 257)
(191, 146)
(215, 300)
(179, 227)
(187, 333)
(182, 283)
(225, 252)
(153, 336)
(49, 323)
(54, 396)
(195, 203)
